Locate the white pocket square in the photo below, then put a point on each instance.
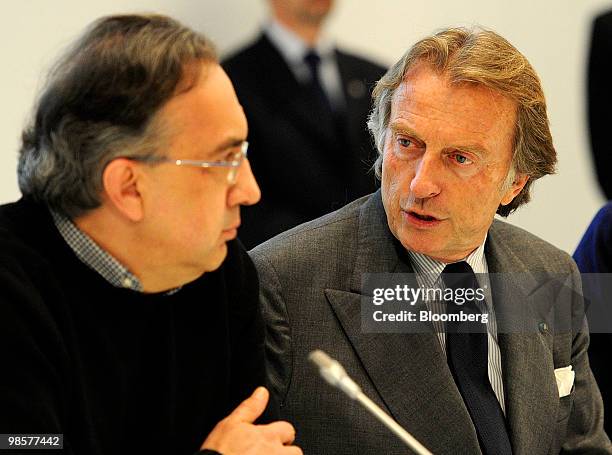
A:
(565, 380)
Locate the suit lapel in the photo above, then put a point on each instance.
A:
(527, 355)
(409, 371)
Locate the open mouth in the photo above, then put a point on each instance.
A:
(422, 217)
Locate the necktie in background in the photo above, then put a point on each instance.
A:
(313, 61)
(467, 352)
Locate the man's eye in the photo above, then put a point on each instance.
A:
(460, 159)
(404, 142)
(231, 156)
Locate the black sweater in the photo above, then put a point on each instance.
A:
(117, 371)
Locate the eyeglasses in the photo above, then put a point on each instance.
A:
(230, 166)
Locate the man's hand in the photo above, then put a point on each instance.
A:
(237, 435)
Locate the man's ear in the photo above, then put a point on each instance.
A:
(517, 185)
(120, 181)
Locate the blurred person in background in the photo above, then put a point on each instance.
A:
(594, 258)
(599, 98)
(307, 103)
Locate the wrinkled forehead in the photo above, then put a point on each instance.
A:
(445, 114)
(428, 93)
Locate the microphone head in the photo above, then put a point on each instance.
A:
(334, 373)
(329, 368)
(320, 359)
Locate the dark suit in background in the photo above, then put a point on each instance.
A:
(594, 256)
(600, 98)
(306, 163)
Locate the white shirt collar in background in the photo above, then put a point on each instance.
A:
(293, 49)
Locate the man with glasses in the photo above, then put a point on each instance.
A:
(129, 320)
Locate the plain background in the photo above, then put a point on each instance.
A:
(553, 34)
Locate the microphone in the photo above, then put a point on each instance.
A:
(334, 374)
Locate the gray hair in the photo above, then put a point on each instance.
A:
(479, 57)
(100, 103)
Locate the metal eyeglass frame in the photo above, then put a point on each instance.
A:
(233, 165)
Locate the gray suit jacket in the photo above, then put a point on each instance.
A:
(311, 283)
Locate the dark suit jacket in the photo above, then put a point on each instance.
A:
(594, 256)
(305, 165)
(600, 98)
(311, 291)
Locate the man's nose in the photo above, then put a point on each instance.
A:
(426, 177)
(246, 190)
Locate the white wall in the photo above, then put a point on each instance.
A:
(553, 34)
